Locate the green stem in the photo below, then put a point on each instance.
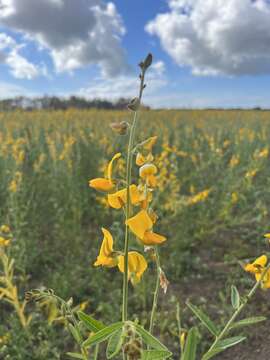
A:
(238, 311)
(96, 352)
(128, 205)
(155, 298)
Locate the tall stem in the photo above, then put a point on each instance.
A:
(155, 298)
(237, 311)
(128, 205)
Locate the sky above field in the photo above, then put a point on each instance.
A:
(207, 53)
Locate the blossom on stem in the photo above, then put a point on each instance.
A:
(118, 199)
(136, 266)
(258, 268)
(105, 184)
(141, 225)
(106, 254)
(147, 173)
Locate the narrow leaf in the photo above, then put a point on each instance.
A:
(74, 333)
(149, 339)
(203, 318)
(103, 334)
(248, 321)
(115, 344)
(90, 323)
(223, 345)
(75, 355)
(191, 345)
(155, 354)
(235, 297)
(227, 343)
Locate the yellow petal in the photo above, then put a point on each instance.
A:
(147, 170)
(140, 159)
(136, 265)
(267, 235)
(119, 199)
(149, 143)
(105, 257)
(101, 184)
(109, 170)
(257, 265)
(151, 181)
(140, 223)
(151, 238)
(266, 280)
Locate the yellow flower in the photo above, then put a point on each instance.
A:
(151, 238)
(149, 143)
(4, 242)
(119, 198)
(266, 279)
(105, 257)
(199, 197)
(141, 225)
(182, 339)
(147, 172)
(257, 268)
(136, 266)
(267, 236)
(5, 229)
(105, 184)
(141, 159)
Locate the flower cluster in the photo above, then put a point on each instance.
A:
(142, 222)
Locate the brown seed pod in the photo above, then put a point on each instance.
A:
(120, 128)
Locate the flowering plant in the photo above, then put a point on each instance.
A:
(128, 338)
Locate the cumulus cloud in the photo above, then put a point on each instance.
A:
(214, 37)
(76, 33)
(126, 85)
(19, 66)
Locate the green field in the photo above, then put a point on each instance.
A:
(212, 201)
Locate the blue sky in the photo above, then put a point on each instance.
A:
(207, 53)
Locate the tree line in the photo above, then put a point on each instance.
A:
(58, 103)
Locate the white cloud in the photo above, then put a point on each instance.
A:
(213, 37)
(126, 85)
(75, 33)
(19, 66)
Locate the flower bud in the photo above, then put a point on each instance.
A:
(134, 104)
(120, 128)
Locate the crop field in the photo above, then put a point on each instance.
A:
(212, 202)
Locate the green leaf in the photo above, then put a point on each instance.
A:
(248, 321)
(203, 318)
(75, 355)
(235, 297)
(191, 345)
(155, 354)
(149, 339)
(227, 343)
(103, 334)
(115, 344)
(90, 323)
(223, 345)
(75, 333)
